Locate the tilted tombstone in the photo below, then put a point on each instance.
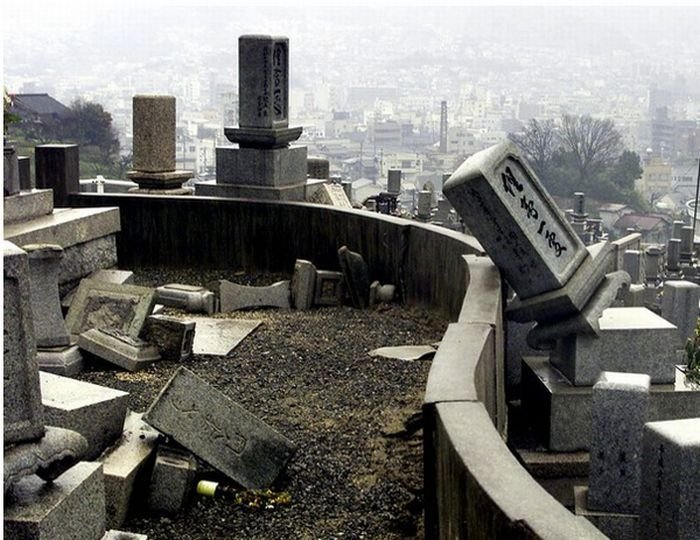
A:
(518, 223)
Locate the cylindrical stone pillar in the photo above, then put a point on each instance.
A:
(49, 327)
(154, 133)
(424, 200)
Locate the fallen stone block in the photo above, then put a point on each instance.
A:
(233, 296)
(99, 304)
(330, 289)
(96, 412)
(219, 431)
(303, 284)
(114, 534)
(118, 348)
(219, 337)
(71, 507)
(174, 337)
(190, 298)
(172, 481)
(109, 275)
(126, 467)
(331, 194)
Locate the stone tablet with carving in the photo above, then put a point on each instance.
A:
(263, 81)
(218, 430)
(515, 219)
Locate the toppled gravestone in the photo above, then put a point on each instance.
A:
(190, 298)
(219, 431)
(119, 348)
(356, 275)
(303, 284)
(174, 337)
(233, 296)
(172, 480)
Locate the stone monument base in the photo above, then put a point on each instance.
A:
(153, 191)
(611, 524)
(561, 412)
(296, 192)
(66, 361)
(159, 180)
(274, 167)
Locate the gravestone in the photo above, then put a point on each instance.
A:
(670, 480)
(49, 327)
(424, 204)
(22, 411)
(332, 195)
(154, 147)
(673, 255)
(303, 284)
(26, 182)
(620, 407)
(516, 221)
(218, 430)
(633, 264)
(652, 263)
(394, 181)
(233, 296)
(98, 304)
(680, 306)
(347, 188)
(219, 337)
(191, 298)
(676, 229)
(57, 166)
(356, 275)
(10, 171)
(317, 168)
(687, 243)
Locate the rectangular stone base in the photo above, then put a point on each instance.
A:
(66, 361)
(27, 205)
(73, 506)
(274, 167)
(613, 525)
(557, 472)
(294, 192)
(123, 464)
(631, 340)
(96, 412)
(561, 413)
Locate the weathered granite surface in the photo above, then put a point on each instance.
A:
(233, 296)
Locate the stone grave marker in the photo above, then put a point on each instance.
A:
(330, 288)
(516, 221)
(679, 305)
(218, 430)
(303, 284)
(22, 411)
(673, 255)
(394, 181)
(174, 337)
(191, 298)
(356, 275)
(332, 195)
(633, 264)
(98, 304)
(620, 407)
(233, 296)
(670, 480)
(119, 348)
(172, 480)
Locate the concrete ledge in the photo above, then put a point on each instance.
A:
(28, 205)
(65, 227)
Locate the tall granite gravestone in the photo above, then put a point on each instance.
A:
(154, 147)
(264, 166)
(394, 181)
(680, 306)
(57, 166)
(10, 171)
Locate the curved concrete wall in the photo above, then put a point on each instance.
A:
(474, 487)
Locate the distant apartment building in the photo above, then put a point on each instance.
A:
(461, 140)
(656, 178)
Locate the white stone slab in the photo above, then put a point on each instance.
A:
(404, 352)
(219, 337)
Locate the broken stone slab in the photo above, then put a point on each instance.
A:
(66, 361)
(22, 412)
(544, 335)
(114, 534)
(233, 296)
(174, 337)
(356, 275)
(172, 481)
(516, 221)
(404, 352)
(190, 298)
(119, 348)
(49, 327)
(96, 412)
(303, 284)
(630, 340)
(330, 288)
(219, 431)
(109, 275)
(572, 297)
(332, 195)
(125, 467)
(71, 507)
(48, 457)
(219, 337)
(99, 304)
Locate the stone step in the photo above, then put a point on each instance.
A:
(561, 412)
(96, 412)
(28, 205)
(71, 507)
(65, 226)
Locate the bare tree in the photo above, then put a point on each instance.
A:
(538, 141)
(593, 143)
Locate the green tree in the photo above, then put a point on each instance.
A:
(91, 127)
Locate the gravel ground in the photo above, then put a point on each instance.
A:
(358, 469)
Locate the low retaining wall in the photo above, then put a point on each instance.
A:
(474, 487)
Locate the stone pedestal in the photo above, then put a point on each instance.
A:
(10, 171)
